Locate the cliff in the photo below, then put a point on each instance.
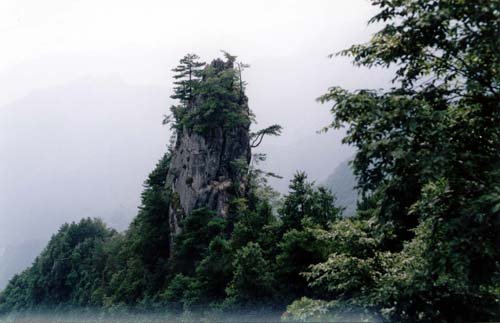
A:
(207, 167)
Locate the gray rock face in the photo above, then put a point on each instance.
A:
(208, 163)
(205, 172)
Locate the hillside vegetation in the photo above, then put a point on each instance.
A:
(422, 244)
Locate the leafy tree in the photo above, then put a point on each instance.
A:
(69, 271)
(352, 266)
(435, 268)
(214, 272)
(448, 88)
(131, 280)
(252, 281)
(176, 292)
(427, 160)
(297, 250)
(16, 296)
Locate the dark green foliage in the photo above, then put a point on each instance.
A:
(69, 271)
(187, 80)
(139, 261)
(191, 245)
(177, 292)
(352, 265)
(274, 130)
(252, 281)
(187, 76)
(214, 272)
(211, 98)
(250, 225)
(86, 264)
(151, 228)
(201, 263)
(213, 256)
(298, 203)
(297, 250)
(427, 162)
(305, 209)
(306, 202)
(423, 245)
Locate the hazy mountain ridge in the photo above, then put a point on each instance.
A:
(342, 182)
(57, 167)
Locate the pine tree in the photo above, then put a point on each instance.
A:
(187, 76)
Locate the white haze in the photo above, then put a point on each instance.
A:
(85, 84)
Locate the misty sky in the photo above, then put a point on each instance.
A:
(85, 84)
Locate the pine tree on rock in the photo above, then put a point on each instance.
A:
(187, 76)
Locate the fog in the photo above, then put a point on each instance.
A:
(85, 85)
(259, 315)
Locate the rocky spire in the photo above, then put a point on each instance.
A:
(208, 166)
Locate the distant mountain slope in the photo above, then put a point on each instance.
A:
(342, 182)
(77, 150)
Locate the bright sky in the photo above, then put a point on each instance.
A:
(52, 41)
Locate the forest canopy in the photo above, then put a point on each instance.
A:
(422, 244)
